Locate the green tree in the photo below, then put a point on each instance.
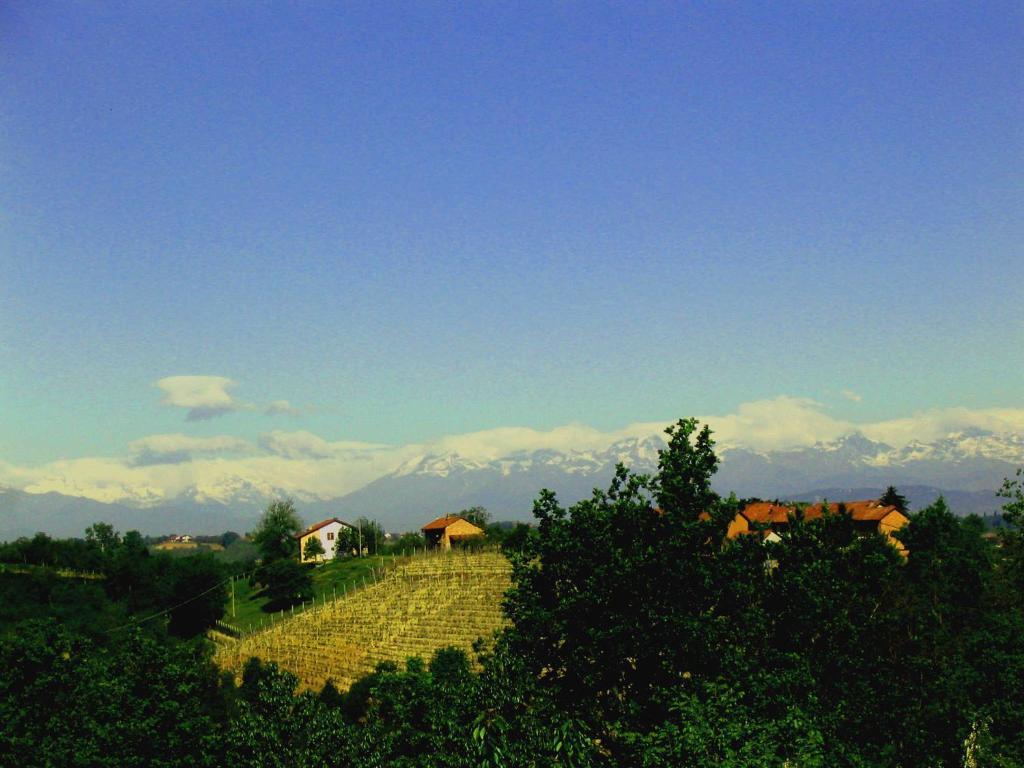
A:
(372, 535)
(894, 498)
(135, 700)
(275, 534)
(616, 600)
(40, 550)
(199, 595)
(1011, 538)
(287, 582)
(133, 544)
(477, 515)
(949, 627)
(517, 537)
(828, 620)
(274, 727)
(1013, 491)
(103, 536)
(407, 543)
(347, 542)
(313, 549)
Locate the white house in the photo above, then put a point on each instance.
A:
(327, 531)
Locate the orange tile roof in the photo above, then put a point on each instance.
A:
(442, 522)
(768, 512)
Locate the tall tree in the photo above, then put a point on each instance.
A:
(894, 498)
(477, 515)
(371, 533)
(1013, 492)
(1012, 538)
(199, 594)
(615, 600)
(103, 536)
(275, 534)
(287, 582)
(347, 542)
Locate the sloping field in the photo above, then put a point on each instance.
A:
(429, 602)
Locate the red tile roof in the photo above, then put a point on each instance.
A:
(321, 524)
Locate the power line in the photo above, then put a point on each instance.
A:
(165, 611)
(172, 608)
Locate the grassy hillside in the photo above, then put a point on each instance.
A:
(331, 579)
(415, 607)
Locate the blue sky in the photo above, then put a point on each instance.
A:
(417, 220)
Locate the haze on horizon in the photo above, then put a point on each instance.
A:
(281, 235)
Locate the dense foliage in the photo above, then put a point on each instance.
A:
(640, 637)
(187, 593)
(312, 548)
(275, 534)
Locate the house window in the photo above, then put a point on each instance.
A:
(330, 535)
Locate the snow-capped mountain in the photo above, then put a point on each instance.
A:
(238, 491)
(968, 466)
(436, 465)
(969, 461)
(958, 447)
(640, 453)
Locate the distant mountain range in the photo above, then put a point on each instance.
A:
(966, 467)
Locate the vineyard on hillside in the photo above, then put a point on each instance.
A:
(429, 602)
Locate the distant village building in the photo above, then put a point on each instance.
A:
(328, 531)
(868, 516)
(176, 539)
(443, 531)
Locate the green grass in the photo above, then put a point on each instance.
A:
(64, 573)
(329, 579)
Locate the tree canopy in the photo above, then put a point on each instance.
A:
(275, 534)
(477, 515)
(312, 549)
(894, 498)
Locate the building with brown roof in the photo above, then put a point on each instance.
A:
(869, 516)
(444, 531)
(328, 532)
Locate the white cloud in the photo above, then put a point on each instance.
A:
(101, 479)
(205, 397)
(305, 445)
(849, 394)
(782, 422)
(491, 444)
(178, 448)
(937, 423)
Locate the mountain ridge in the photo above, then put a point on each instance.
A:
(966, 467)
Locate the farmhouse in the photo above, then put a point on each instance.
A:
(443, 531)
(327, 531)
(177, 542)
(868, 516)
